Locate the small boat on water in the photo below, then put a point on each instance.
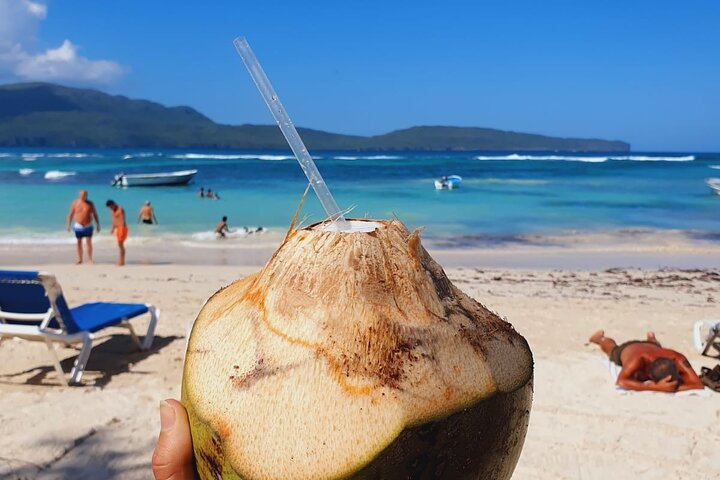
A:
(714, 184)
(450, 182)
(181, 177)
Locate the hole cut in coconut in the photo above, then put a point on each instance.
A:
(356, 226)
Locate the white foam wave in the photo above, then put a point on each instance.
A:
(715, 167)
(5, 155)
(240, 232)
(195, 156)
(57, 174)
(650, 158)
(142, 155)
(515, 156)
(368, 157)
(31, 157)
(589, 159)
(60, 238)
(25, 171)
(68, 155)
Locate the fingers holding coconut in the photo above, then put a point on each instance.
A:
(173, 458)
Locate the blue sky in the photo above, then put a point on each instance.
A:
(647, 72)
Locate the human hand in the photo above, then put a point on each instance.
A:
(667, 384)
(173, 455)
(98, 228)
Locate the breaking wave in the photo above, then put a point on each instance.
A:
(142, 155)
(195, 156)
(589, 159)
(368, 157)
(67, 155)
(240, 232)
(25, 171)
(57, 174)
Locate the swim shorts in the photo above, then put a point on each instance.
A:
(147, 221)
(121, 233)
(617, 351)
(82, 231)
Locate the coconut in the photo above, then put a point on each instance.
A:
(352, 355)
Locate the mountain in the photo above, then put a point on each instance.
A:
(48, 115)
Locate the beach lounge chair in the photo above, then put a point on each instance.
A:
(705, 333)
(32, 307)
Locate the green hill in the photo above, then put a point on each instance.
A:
(47, 115)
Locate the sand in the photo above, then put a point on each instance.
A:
(579, 428)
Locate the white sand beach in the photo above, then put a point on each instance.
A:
(580, 427)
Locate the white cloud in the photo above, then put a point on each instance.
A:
(19, 24)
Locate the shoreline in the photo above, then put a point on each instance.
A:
(578, 252)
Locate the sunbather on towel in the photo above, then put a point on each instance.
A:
(646, 365)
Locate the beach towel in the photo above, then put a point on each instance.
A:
(614, 370)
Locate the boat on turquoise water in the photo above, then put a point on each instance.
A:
(181, 177)
(450, 182)
(714, 184)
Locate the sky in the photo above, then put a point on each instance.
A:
(647, 72)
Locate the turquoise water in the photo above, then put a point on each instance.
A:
(502, 198)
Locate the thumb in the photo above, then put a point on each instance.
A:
(173, 455)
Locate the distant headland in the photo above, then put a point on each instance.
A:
(49, 115)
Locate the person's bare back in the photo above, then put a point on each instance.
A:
(147, 214)
(646, 365)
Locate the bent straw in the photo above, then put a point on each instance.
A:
(291, 135)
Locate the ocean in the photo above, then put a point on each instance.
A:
(504, 197)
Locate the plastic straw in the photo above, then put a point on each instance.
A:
(291, 135)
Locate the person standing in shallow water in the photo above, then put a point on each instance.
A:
(83, 212)
(119, 227)
(221, 229)
(147, 214)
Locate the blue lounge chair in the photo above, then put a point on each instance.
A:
(32, 307)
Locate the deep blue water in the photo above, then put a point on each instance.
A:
(502, 195)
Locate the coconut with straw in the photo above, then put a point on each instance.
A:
(352, 355)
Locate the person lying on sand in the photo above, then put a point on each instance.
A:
(646, 365)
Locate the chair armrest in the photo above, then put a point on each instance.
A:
(25, 317)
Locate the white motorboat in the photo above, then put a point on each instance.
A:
(450, 182)
(714, 184)
(181, 177)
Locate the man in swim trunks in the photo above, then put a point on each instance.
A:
(147, 214)
(222, 228)
(119, 227)
(83, 211)
(646, 365)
